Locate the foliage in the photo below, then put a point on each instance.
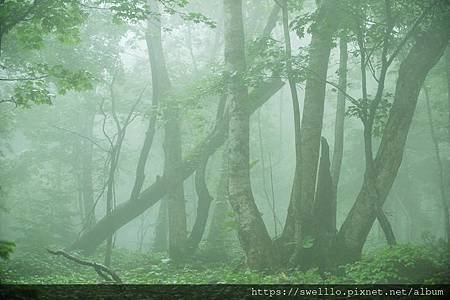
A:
(37, 86)
(27, 28)
(6, 248)
(400, 264)
(33, 20)
(267, 60)
(138, 10)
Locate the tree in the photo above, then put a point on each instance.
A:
(338, 149)
(428, 48)
(252, 232)
(298, 227)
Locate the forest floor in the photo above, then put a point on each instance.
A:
(400, 264)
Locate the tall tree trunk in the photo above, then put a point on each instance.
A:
(161, 229)
(447, 64)
(440, 165)
(217, 235)
(338, 149)
(447, 67)
(368, 117)
(252, 232)
(175, 194)
(421, 58)
(299, 228)
(172, 140)
(109, 201)
(296, 109)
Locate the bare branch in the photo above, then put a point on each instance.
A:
(82, 136)
(99, 268)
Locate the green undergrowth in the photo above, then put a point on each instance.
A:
(400, 264)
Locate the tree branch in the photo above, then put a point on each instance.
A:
(82, 136)
(99, 268)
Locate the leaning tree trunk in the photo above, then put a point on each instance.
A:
(427, 50)
(252, 232)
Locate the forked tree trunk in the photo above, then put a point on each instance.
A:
(427, 50)
(302, 199)
(173, 166)
(252, 232)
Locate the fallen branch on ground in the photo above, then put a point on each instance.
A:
(102, 270)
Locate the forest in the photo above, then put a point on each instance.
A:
(224, 141)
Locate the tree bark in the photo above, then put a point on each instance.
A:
(324, 213)
(203, 205)
(153, 41)
(252, 232)
(294, 98)
(161, 230)
(217, 235)
(427, 50)
(338, 149)
(299, 228)
(172, 140)
(447, 67)
(175, 194)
